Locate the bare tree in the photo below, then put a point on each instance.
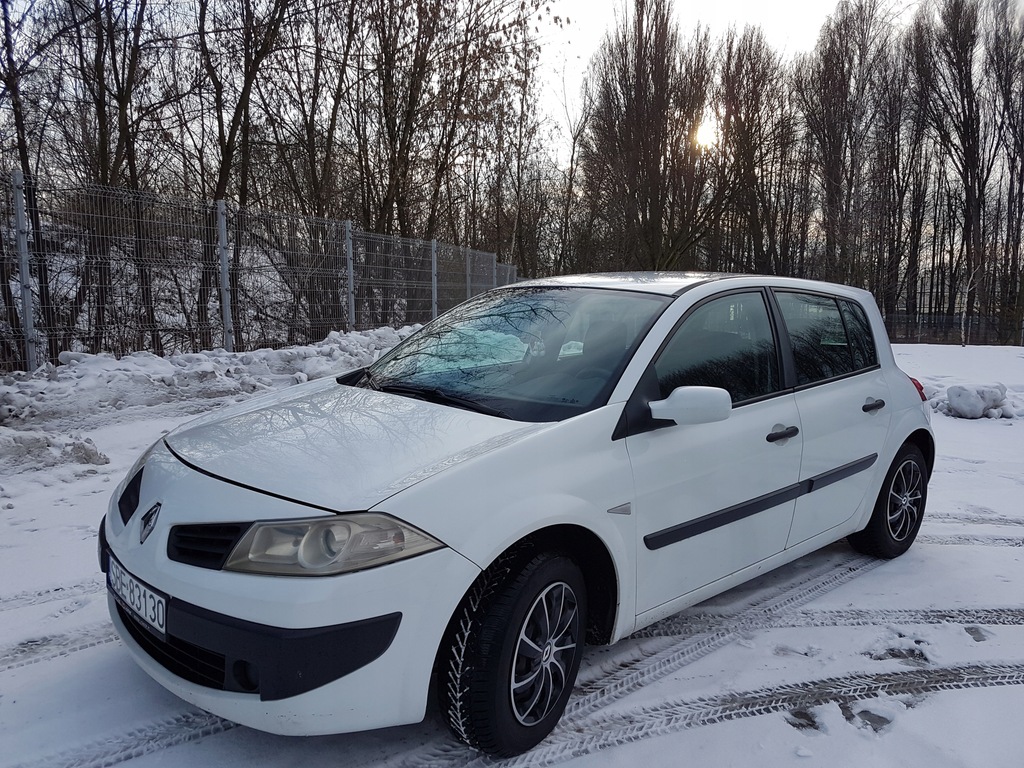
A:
(657, 192)
(235, 38)
(951, 68)
(758, 136)
(1005, 59)
(898, 175)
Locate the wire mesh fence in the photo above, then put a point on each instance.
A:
(931, 328)
(112, 270)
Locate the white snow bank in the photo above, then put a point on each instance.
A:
(43, 414)
(35, 449)
(84, 384)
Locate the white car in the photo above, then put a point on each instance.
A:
(553, 462)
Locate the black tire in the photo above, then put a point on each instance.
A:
(899, 509)
(513, 654)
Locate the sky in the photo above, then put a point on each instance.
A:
(791, 27)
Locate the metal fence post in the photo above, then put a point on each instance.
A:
(351, 277)
(469, 274)
(433, 278)
(225, 284)
(494, 270)
(24, 276)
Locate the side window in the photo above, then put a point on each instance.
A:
(725, 343)
(859, 330)
(816, 331)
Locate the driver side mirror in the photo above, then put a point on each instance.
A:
(693, 405)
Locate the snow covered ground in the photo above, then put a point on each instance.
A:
(835, 660)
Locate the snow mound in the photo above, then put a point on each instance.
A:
(976, 401)
(86, 384)
(31, 449)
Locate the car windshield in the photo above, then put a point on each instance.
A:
(529, 354)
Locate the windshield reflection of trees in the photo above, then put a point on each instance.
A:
(535, 354)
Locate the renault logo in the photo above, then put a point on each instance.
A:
(149, 522)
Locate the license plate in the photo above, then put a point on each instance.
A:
(141, 600)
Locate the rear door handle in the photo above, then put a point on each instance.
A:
(873, 406)
(782, 434)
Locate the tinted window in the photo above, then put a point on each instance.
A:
(725, 343)
(858, 329)
(816, 331)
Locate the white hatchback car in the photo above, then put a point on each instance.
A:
(552, 462)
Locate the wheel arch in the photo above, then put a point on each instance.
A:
(595, 562)
(926, 444)
(591, 556)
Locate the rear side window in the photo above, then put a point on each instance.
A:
(725, 343)
(862, 342)
(830, 338)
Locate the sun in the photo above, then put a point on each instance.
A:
(706, 135)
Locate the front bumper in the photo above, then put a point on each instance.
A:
(331, 670)
(229, 654)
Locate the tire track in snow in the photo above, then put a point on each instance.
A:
(974, 517)
(83, 588)
(145, 740)
(996, 617)
(806, 618)
(972, 539)
(36, 650)
(671, 716)
(632, 677)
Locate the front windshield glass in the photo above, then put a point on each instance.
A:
(529, 354)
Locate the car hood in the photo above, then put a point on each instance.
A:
(338, 447)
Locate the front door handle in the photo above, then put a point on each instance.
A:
(782, 434)
(873, 406)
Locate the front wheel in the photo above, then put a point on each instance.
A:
(899, 509)
(513, 658)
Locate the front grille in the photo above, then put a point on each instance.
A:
(188, 661)
(204, 546)
(129, 500)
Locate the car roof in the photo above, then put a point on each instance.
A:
(676, 283)
(665, 283)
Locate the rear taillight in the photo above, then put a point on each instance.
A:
(920, 388)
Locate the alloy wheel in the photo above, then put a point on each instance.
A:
(545, 649)
(905, 495)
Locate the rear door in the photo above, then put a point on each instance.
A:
(713, 498)
(842, 397)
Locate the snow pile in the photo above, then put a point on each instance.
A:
(43, 449)
(85, 384)
(975, 402)
(43, 415)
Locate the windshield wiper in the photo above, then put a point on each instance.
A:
(443, 398)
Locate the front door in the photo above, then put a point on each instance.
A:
(713, 498)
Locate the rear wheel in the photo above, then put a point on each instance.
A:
(513, 657)
(899, 509)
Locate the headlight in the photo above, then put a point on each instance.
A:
(323, 546)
